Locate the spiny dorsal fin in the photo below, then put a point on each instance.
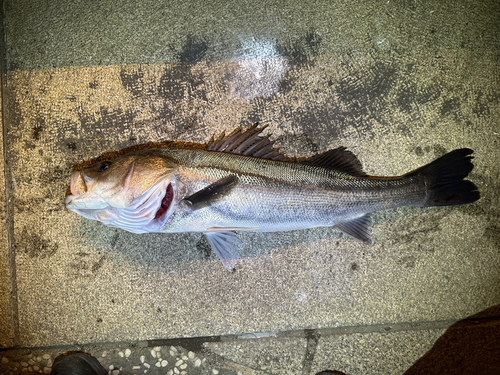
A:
(340, 159)
(248, 143)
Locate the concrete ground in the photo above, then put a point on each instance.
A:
(398, 83)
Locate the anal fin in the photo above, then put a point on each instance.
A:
(358, 228)
(225, 245)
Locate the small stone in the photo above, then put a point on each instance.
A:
(24, 364)
(46, 370)
(142, 358)
(179, 362)
(49, 362)
(184, 357)
(173, 348)
(127, 353)
(46, 356)
(36, 368)
(158, 364)
(215, 372)
(197, 362)
(111, 367)
(172, 353)
(121, 354)
(31, 362)
(104, 353)
(115, 372)
(170, 372)
(191, 355)
(30, 369)
(176, 370)
(157, 348)
(183, 372)
(164, 363)
(147, 365)
(183, 366)
(39, 359)
(5, 360)
(136, 367)
(24, 369)
(153, 353)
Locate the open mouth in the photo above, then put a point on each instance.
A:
(166, 201)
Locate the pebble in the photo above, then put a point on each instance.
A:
(115, 372)
(158, 364)
(157, 348)
(24, 364)
(172, 348)
(127, 353)
(5, 360)
(183, 372)
(179, 362)
(121, 354)
(172, 353)
(191, 355)
(31, 362)
(49, 362)
(46, 356)
(183, 366)
(111, 367)
(24, 369)
(36, 368)
(104, 353)
(147, 365)
(46, 370)
(215, 372)
(184, 357)
(143, 358)
(170, 372)
(176, 370)
(197, 362)
(153, 353)
(136, 367)
(164, 363)
(39, 359)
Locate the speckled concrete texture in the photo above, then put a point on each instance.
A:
(8, 312)
(399, 84)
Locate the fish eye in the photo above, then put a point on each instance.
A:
(103, 166)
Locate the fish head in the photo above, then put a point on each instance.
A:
(134, 192)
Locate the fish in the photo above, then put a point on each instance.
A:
(242, 182)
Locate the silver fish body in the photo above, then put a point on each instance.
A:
(243, 183)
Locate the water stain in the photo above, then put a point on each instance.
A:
(34, 245)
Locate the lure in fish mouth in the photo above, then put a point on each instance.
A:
(241, 182)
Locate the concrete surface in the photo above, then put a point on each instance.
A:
(398, 83)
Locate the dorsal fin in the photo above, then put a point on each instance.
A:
(340, 159)
(248, 143)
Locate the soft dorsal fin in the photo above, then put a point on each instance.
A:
(340, 159)
(248, 143)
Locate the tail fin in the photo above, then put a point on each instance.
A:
(445, 179)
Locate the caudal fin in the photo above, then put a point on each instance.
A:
(445, 179)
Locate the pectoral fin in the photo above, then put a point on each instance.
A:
(358, 228)
(212, 193)
(225, 245)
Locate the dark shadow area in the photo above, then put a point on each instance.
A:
(470, 346)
